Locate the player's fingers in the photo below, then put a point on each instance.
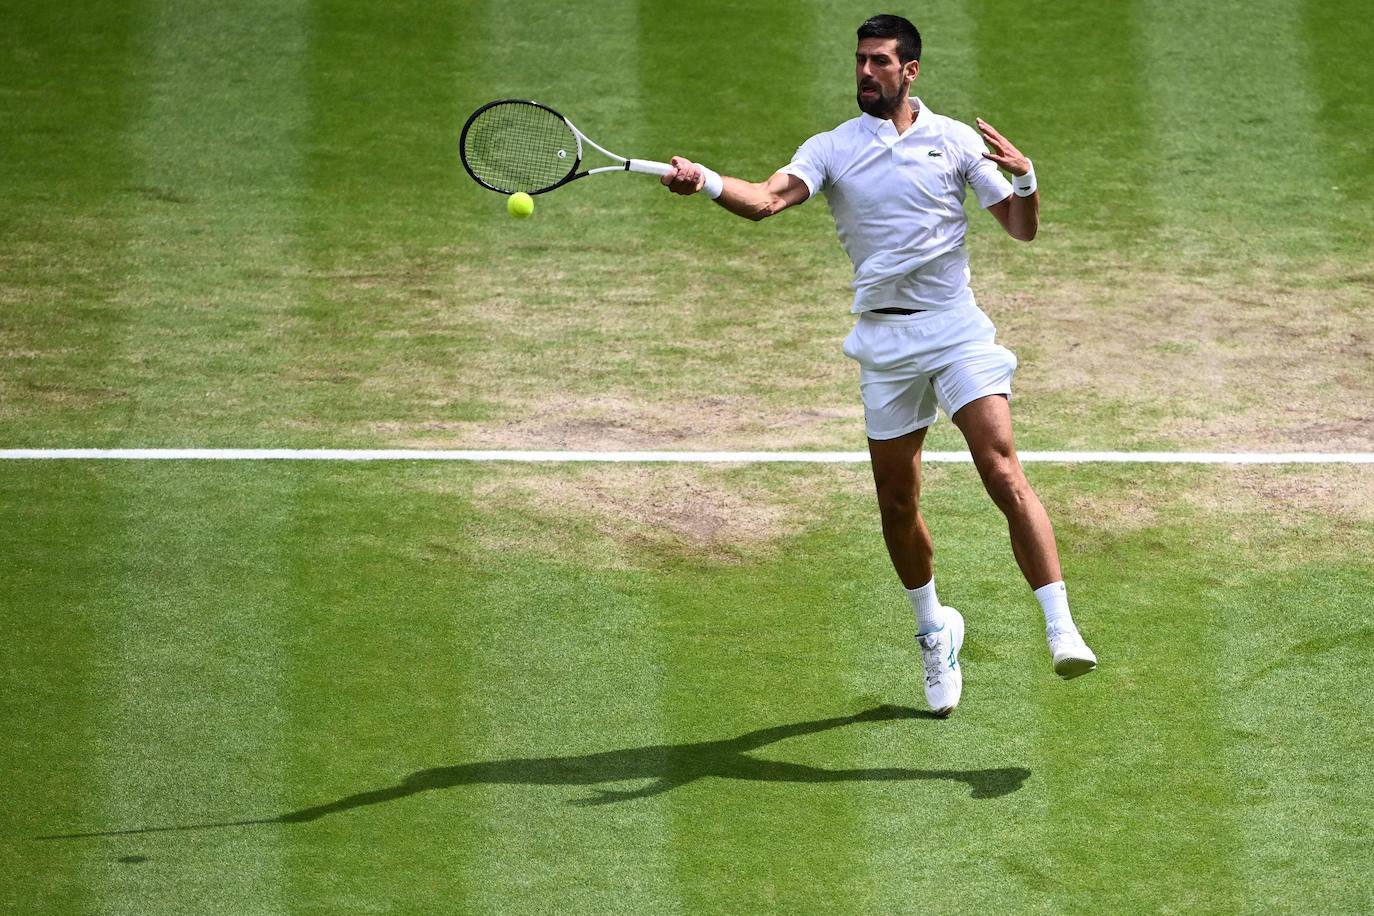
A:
(686, 179)
(988, 129)
(998, 142)
(994, 139)
(681, 167)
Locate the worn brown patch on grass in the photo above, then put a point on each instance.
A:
(1272, 509)
(1130, 507)
(618, 423)
(647, 351)
(643, 350)
(1292, 497)
(1268, 363)
(639, 510)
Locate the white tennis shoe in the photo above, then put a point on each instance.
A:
(1072, 656)
(940, 659)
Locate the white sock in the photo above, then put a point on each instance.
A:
(930, 616)
(1054, 601)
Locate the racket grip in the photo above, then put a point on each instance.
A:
(648, 167)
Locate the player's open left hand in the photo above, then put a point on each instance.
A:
(1003, 153)
(686, 177)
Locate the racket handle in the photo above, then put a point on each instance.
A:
(648, 167)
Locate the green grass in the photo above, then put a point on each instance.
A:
(206, 644)
(246, 225)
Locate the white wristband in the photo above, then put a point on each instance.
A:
(1024, 185)
(711, 182)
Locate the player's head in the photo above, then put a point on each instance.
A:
(885, 26)
(886, 63)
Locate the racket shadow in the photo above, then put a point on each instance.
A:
(661, 768)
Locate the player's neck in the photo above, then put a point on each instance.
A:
(904, 115)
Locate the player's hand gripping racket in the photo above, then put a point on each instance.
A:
(515, 145)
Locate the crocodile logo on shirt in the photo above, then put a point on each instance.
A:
(934, 152)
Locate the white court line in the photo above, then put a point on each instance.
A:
(555, 457)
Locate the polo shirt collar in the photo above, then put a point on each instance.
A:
(877, 128)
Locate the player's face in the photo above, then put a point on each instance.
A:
(881, 78)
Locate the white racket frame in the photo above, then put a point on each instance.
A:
(643, 166)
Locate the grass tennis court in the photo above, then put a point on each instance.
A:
(259, 687)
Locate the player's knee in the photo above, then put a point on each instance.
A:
(1007, 485)
(897, 506)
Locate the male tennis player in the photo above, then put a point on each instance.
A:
(895, 178)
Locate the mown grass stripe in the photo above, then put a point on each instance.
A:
(196, 681)
(195, 730)
(66, 104)
(1237, 127)
(376, 165)
(1029, 86)
(757, 864)
(1235, 124)
(206, 302)
(54, 523)
(1341, 71)
(557, 662)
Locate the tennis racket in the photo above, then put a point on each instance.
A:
(515, 145)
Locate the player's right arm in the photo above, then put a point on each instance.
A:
(751, 200)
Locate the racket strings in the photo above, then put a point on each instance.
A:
(518, 147)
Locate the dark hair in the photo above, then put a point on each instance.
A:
(885, 26)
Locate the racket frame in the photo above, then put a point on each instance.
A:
(643, 166)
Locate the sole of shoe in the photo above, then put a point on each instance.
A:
(1072, 667)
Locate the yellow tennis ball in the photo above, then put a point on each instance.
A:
(520, 205)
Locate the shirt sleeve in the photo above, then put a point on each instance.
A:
(811, 163)
(982, 175)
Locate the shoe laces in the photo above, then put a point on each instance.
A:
(1068, 638)
(932, 658)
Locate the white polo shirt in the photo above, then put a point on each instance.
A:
(898, 203)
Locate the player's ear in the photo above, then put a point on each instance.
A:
(912, 67)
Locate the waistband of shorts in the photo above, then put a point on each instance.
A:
(926, 315)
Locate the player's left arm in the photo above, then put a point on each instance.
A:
(1020, 216)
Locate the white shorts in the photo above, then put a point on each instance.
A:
(910, 364)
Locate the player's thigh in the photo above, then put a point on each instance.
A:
(897, 466)
(986, 425)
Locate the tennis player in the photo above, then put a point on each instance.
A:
(895, 178)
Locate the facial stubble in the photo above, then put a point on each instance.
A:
(884, 106)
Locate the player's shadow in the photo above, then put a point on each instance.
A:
(662, 768)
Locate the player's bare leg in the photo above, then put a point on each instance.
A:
(897, 475)
(986, 425)
(939, 630)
